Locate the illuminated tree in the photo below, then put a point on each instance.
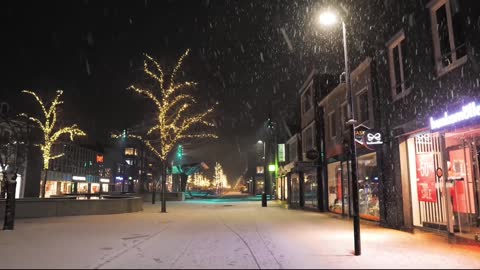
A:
(176, 119)
(51, 133)
(220, 179)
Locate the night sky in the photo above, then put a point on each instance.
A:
(250, 56)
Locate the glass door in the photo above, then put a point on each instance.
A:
(463, 179)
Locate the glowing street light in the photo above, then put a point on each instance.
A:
(328, 18)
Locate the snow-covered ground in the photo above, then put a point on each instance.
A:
(221, 234)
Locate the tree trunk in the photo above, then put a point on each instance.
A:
(164, 185)
(183, 182)
(154, 187)
(44, 185)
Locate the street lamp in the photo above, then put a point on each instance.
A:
(328, 18)
(264, 195)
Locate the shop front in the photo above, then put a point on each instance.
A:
(310, 188)
(58, 183)
(339, 185)
(282, 184)
(104, 185)
(441, 165)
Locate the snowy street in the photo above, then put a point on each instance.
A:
(221, 234)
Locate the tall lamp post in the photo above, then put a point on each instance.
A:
(328, 18)
(264, 201)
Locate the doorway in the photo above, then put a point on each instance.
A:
(462, 154)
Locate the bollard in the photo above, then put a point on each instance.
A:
(264, 199)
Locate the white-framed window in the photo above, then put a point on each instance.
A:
(292, 149)
(332, 124)
(448, 36)
(399, 66)
(307, 99)
(308, 137)
(363, 109)
(344, 112)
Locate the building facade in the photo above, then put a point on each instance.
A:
(417, 84)
(79, 171)
(429, 98)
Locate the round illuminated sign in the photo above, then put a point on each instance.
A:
(439, 172)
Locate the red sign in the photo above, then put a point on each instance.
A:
(99, 159)
(426, 189)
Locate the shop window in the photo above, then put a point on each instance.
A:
(130, 151)
(399, 66)
(310, 190)
(448, 35)
(307, 100)
(368, 184)
(335, 191)
(363, 108)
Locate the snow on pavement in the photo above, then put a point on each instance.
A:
(221, 234)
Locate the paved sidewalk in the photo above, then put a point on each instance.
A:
(221, 234)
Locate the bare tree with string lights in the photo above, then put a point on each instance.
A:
(51, 132)
(176, 117)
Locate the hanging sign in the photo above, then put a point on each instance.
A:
(281, 152)
(426, 189)
(359, 132)
(373, 139)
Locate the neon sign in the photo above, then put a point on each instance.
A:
(471, 110)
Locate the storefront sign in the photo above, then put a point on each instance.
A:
(468, 111)
(359, 132)
(373, 139)
(104, 180)
(120, 178)
(426, 189)
(78, 178)
(281, 152)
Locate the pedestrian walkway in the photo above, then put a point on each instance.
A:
(222, 234)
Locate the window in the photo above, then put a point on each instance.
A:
(447, 34)
(308, 136)
(399, 65)
(344, 112)
(260, 170)
(292, 151)
(307, 101)
(332, 124)
(363, 108)
(130, 151)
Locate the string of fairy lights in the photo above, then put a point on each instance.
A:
(174, 120)
(51, 133)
